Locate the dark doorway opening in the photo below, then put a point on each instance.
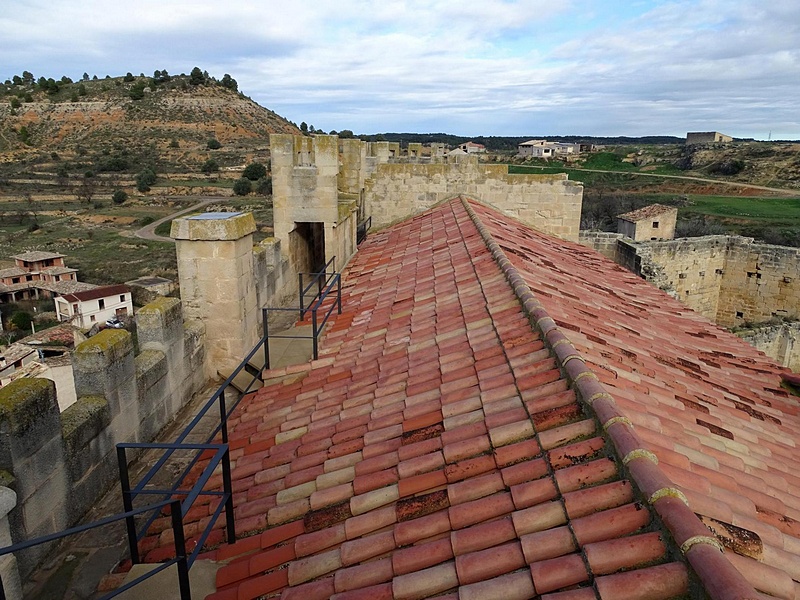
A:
(310, 247)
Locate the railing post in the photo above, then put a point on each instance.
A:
(180, 550)
(314, 332)
(339, 291)
(300, 289)
(230, 522)
(266, 337)
(127, 504)
(223, 416)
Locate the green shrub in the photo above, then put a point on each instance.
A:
(254, 171)
(145, 179)
(22, 320)
(119, 196)
(210, 166)
(242, 187)
(213, 144)
(264, 186)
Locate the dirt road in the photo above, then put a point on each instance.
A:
(148, 232)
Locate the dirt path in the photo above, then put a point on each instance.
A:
(148, 232)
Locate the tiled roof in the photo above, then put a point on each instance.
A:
(646, 212)
(37, 255)
(457, 438)
(97, 292)
(58, 270)
(13, 272)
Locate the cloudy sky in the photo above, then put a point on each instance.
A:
(468, 67)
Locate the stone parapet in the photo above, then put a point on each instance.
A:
(213, 227)
(215, 268)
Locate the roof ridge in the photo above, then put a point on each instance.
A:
(696, 542)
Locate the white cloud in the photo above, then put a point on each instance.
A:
(464, 66)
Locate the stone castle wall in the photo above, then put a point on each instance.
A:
(761, 282)
(779, 341)
(732, 280)
(550, 203)
(60, 464)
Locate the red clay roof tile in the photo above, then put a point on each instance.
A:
(444, 356)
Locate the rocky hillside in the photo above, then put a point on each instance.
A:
(171, 114)
(774, 164)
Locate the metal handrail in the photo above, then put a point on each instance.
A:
(179, 508)
(179, 541)
(335, 280)
(315, 278)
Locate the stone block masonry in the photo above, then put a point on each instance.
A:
(60, 464)
(550, 203)
(215, 254)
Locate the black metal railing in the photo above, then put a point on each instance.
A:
(181, 559)
(362, 229)
(326, 283)
(320, 279)
(180, 500)
(178, 508)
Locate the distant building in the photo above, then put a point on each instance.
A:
(707, 137)
(14, 359)
(472, 148)
(654, 222)
(39, 275)
(84, 309)
(545, 149)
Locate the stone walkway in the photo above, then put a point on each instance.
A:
(83, 562)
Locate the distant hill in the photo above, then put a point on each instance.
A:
(168, 112)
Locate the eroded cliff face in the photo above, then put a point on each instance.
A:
(189, 114)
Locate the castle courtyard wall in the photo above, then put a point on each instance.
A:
(550, 203)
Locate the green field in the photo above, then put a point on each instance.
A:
(784, 211)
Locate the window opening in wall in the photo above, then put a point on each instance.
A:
(91, 318)
(122, 298)
(101, 303)
(655, 224)
(702, 273)
(739, 315)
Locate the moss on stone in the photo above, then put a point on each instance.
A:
(345, 208)
(112, 343)
(24, 400)
(84, 419)
(7, 479)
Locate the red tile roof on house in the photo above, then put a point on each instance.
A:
(97, 292)
(501, 414)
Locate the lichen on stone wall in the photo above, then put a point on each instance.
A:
(25, 400)
(84, 420)
(112, 343)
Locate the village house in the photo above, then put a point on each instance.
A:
(96, 305)
(14, 359)
(707, 137)
(545, 149)
(38, 274)
(472, 148)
